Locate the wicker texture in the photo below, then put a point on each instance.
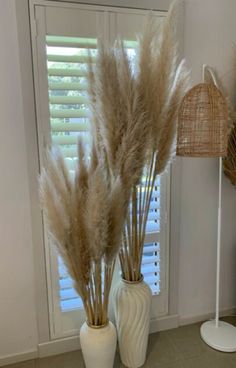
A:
(203, 123)
(229, 162)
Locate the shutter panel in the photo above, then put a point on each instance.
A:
(151, 252)
(66, 64)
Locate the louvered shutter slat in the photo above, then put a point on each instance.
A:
(74, 42)
(59, 140)
(71, 304)
(66, 72)
(152, 216)
(67, 294)
(69, 127)
(150, 259)
(68, 58)
(151, 280)
(69, 152)
(65, 283)
(69, 140)
(67, 86)
(67, 100)
(150, 249)
(68, 113)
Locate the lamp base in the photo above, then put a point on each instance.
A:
(222, 338)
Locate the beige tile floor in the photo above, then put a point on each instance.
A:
(178, 348)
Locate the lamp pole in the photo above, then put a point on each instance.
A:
(218, 334)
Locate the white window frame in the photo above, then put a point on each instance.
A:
(64, 325)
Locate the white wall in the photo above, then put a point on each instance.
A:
(210, 35)
(210, 32)
(18, 330)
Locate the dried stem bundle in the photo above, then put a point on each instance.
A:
(133, 115)
(85, 218)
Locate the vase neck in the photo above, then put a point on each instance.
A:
(133, 282)
(99, 326)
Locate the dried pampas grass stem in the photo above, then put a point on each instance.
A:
(86, 225)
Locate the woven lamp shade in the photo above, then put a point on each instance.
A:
(203, 123)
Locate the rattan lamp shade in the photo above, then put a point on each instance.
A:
(203, 123)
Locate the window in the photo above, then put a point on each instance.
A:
(64, 35)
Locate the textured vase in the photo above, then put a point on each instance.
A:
(132, 303)
(98, 345)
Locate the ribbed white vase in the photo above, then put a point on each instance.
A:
(98, 345)
(132, 304)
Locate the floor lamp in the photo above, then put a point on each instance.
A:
(203, 129)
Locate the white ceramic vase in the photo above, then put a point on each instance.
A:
(98, 345)
(132, 304)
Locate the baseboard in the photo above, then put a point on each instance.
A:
(58, 346)
(188, 320)
(11, 359)
(164, 323)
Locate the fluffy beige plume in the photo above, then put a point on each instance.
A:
(56, 175)
(97, 211)
(56, 216)
(81, 177)
(146, 81)
(165, 68)
(107, 101)
(95, 118)
(79, 233)
(157, 68)
(131, 149)
(166, 147)
(120, 114)
(117, 212)
(62, 168)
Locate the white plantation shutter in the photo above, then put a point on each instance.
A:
(65, 32)
(67, 59)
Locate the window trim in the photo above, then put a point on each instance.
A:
(42, 142)
(157, 5)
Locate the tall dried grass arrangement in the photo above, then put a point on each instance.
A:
(133, 122)
(85, 218)
(133, 115)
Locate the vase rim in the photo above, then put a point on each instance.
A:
(132, 282)
(99, 326)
